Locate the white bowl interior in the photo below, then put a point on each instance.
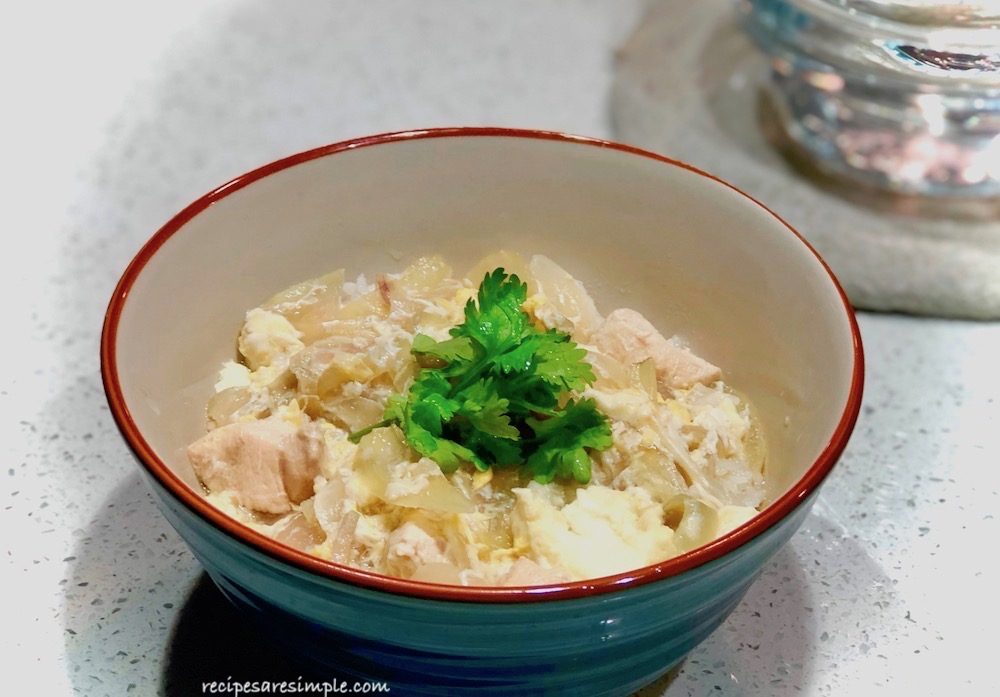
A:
(693, 255)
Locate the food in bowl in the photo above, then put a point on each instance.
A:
(486, 430)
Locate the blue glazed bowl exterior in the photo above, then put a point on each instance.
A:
(606, 636)
(607, 644)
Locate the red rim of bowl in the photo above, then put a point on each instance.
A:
(770, 516)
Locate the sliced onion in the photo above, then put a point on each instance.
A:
(695, 523)
(422, 485)
(326, 365)
(423, 276)
(354, 412)
(611, 373)
(526, 572)
(224, 407)
(565, 295)
(439, 495)
(438, 572)
(644, 377)
(655, 472)
(498, 533)
(374, 303)
(377, 453)
(327, 505)
(511, 262)
(299, 532)
(282, 388)
(309, 304)
(342, 547)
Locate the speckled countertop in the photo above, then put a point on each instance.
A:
(120, 113)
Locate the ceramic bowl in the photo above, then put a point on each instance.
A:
(695, 255)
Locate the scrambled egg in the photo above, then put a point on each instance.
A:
(602, 532)
(267, 337)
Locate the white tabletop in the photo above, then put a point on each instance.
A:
(118, 114)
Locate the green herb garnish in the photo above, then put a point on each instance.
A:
(497, 393)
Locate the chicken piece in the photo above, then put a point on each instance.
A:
(629, 337)
(525, 572)
(268, 464)
(411, 547)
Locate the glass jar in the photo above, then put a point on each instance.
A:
(898, 94)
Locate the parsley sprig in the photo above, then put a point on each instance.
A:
(498, 393)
